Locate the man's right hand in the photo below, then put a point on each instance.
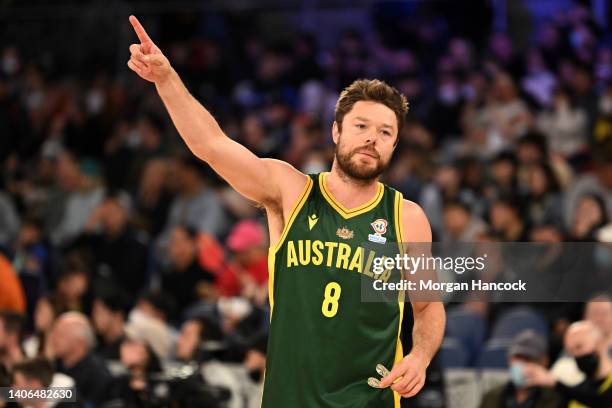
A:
(146, 59)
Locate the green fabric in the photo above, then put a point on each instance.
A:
(316, 361)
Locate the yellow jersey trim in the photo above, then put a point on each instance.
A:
(342, 210)
(399, 350)
(274, 248)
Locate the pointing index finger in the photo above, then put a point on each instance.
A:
(140, 31)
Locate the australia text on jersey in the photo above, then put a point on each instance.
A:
(332, 254)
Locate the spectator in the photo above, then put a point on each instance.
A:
(590, 216)
(543, 195)
(460, 225)
(33, 260)
(44, 317)
(72, 284)
(153, 197)
(11, 335)
(80, 182)
(527, 347)
(147, 322)
(136, 388)
(9, 220)
(185, 279)
(565, 126)
(248, 243)
(72, 343)
(196, 204)
(38, 374)
(109, 314)
(585, 342)
(120, 252)
(598, 311)
(201, 341)
(506, 220)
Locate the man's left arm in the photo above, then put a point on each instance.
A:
(408, 376)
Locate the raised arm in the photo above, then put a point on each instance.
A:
(261, 180)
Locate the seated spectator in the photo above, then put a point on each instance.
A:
(527, 347)
(79, 180)
(119, 251)
(599, 311)
(11, 332)
(136, 389)
(589, 217)
(38, 373)
(506, 220)
(9, 220)
(460, 224)
(196, 203)
(147, 322)
(12, 296)
(200, 339)
(185, 279)
(44, 317)
(247, 242)
(255, 364)
(200, 342)
(72, 342)
(72, 285)
(586, 344)
(32, 261)
(109, 313)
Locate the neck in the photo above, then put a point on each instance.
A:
(115, 331)
(521, 394)
(349, 191)
(74, 358)
(605, 367)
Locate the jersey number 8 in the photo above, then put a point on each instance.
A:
(330, 299)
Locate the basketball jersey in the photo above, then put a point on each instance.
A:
(324, 341)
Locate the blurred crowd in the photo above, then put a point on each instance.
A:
(124, 256)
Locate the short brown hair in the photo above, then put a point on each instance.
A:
(373, 90)
(37, 368)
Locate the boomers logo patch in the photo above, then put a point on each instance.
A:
(380, 227)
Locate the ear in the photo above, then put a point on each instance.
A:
(335, 132)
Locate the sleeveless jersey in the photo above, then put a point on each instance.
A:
(324, 341)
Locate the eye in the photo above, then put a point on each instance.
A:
(360, 126)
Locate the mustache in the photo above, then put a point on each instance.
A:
(368, 150)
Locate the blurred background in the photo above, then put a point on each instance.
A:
(143, 276)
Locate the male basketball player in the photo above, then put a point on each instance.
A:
(324, 341)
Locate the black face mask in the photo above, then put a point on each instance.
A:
(588, 363)
(255, 375)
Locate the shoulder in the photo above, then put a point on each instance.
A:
(291, 181)
(415, 224)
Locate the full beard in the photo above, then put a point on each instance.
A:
(357, 171)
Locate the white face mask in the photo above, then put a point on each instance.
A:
(10, 64)
(605, 105)
(94, 101)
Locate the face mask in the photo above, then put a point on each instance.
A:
(255, 375)
(588, 363)
(516, 375)
(605, 105)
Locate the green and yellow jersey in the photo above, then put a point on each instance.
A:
(324, 340)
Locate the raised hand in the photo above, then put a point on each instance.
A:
(146, 59)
